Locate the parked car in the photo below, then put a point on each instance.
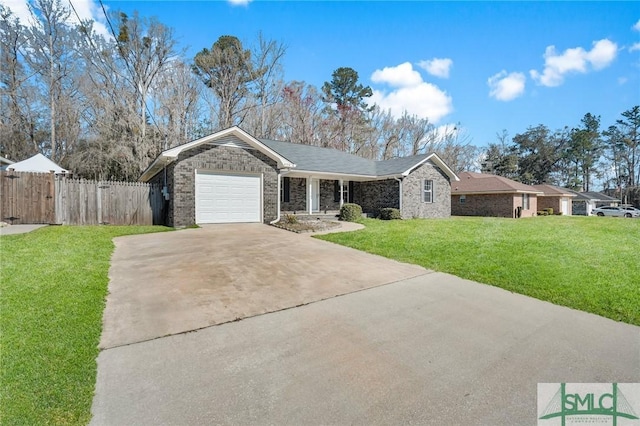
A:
(615, 211)
(632, 210)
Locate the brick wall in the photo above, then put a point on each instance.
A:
(374, 195)
(181, 178)
(555, 203)
(494, 205)
(298, 196)
(413, 205)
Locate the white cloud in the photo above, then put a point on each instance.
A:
(86, 9)
(411, 94)
(506, 87)
(634, 47)
(19, 9)
(574, 60)
(239, 2)
(637, 26)
(438, 67)
(401, 76)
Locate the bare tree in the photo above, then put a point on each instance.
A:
(147, 46)
(21, 114)
(51, 56)
(176, 95)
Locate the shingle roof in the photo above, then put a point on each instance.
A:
(481, 183)
(399, 165)
(554, 191)
(315, 158)
(592, 196)
(306, 158)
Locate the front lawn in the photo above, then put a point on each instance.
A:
(53, 284)
(586, 263)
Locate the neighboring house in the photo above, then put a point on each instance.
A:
(231, 176)
(480, 194)
(4, 162)
(584, 202)
(38, 164)
(556, 198)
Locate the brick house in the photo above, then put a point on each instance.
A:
(231, 176)
(556, 198)
(480, 194)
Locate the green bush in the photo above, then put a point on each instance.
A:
(549, 211)
(389, 213)
(350, 212)
(542, 213)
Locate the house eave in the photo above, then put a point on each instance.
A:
(168, 156)
(434, 158)
(488, 192)
(330, 175)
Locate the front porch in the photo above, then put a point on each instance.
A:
(314, 197)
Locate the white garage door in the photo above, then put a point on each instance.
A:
(227, 198)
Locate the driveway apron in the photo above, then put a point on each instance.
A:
(174, 282)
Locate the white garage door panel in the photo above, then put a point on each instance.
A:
(227, 198)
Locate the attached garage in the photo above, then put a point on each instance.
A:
(228, 198)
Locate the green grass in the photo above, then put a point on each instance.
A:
(586, 263)
(53, 284)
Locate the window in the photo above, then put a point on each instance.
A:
(525, 201)
(345, 192)
(428, 191)
(285, 190)
(463, 199)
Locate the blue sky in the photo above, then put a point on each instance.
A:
(486, 65)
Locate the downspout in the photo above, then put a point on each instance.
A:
(400, 189)
(277, 219)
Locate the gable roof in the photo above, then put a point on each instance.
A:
(553, 191)
(170, 155)
(482, 183)
(299, 158)
(592, 196)
(318, 159)
(38, 163)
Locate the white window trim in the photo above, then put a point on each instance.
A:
(426, 191)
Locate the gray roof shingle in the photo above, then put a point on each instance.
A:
(315, 158)
(318, 159)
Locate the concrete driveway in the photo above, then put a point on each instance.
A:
(173, 282)
(430, 349)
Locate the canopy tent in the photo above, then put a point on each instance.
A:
(38, 163)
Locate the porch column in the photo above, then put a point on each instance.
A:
(310, 195)
(340, 183)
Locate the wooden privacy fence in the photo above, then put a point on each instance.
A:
(46, 198)
(27, 197)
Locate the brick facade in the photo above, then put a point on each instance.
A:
(495, 205)
(179, 210)
(377, 194)
(413, 204)
(181, 178)
(555, 203)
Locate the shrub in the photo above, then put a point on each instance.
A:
(291, 219)
(549, 211)
(558, 213)
(542, 213)
(350, 212)
(389, 213)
